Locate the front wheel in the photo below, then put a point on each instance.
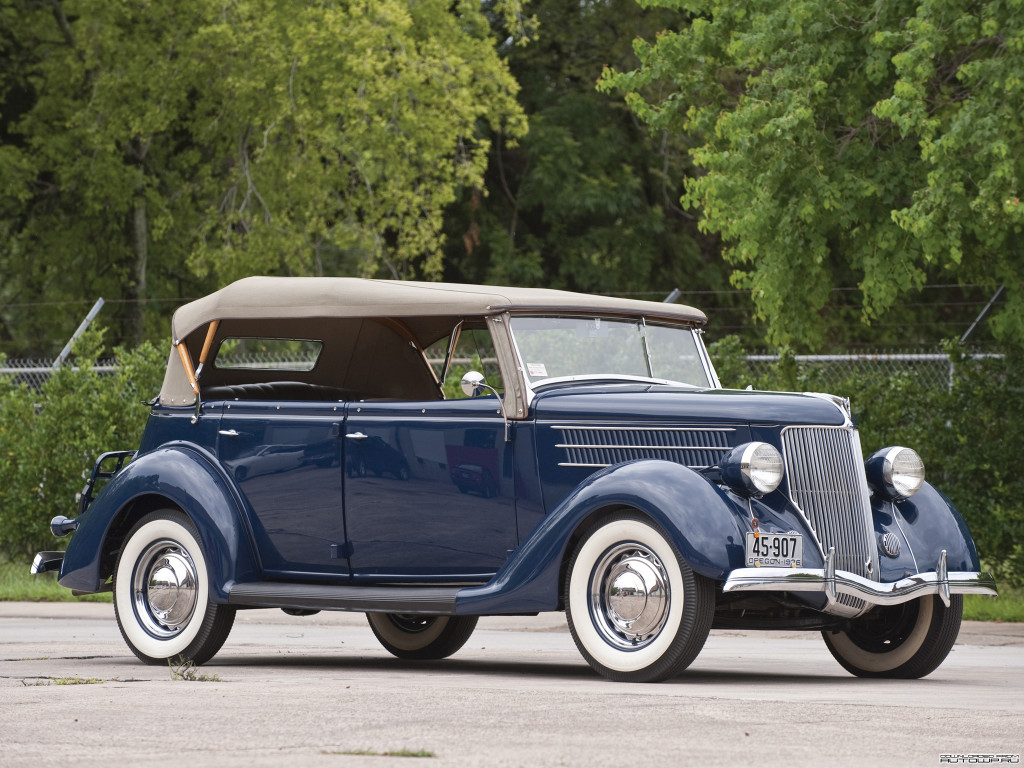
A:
(410, 636)
(903, 641)
(637, 611)
(161, 593)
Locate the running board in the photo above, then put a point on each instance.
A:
(323, 597)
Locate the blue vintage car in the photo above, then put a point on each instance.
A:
(304, 453)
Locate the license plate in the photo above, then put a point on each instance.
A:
(775, 550)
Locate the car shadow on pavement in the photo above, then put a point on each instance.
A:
(550, 670)
(378, 664)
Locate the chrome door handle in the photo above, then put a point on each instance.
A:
(229, 432)
(357, 435)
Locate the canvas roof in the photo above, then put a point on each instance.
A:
(322, 297)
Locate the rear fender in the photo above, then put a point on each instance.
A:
(701, 519)
(176, 475)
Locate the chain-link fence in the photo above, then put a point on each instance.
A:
(34, 373)
(931, 370)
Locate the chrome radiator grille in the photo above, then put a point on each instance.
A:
(825, 471)
(601, 446)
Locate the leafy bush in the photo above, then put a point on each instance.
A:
(50, 438)
(970, 435)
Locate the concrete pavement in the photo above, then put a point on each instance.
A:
(320, 691)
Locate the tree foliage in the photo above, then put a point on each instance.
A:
(589, 199)
(867, 140)
(162, 149)
(357, 134)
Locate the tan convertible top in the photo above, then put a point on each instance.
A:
(275, 298)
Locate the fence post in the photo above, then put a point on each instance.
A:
(81, 329)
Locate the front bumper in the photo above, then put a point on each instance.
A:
(834, 583)
(47, 561)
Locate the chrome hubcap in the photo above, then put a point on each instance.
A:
(629, 596)
(165, 589)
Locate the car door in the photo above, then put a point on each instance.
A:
(429, 490)
(285, 458)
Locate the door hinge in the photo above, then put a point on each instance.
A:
(339, 551)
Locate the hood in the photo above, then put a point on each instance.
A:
(653, 404)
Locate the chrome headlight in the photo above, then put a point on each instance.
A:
(897, 473)
(752, 469)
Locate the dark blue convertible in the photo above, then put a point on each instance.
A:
(305, 453)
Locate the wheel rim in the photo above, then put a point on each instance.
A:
(411, 623)
(885, 629)
(629, 596)
(164, 589)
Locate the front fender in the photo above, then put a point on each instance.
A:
(701, 519)
(185, 477)
(930, 524)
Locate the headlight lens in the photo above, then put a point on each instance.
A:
(752, 469)
(904, 470)
(896, 472)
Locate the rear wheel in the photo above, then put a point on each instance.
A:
(410, 636)
(161, 593)
(900, 641)
(636, 610)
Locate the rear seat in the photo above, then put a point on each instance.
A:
(276, 390)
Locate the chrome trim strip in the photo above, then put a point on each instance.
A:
(702, 351)
(942, 584)
(906, 539)
(646, 447)
(641, 427)
(602, 466)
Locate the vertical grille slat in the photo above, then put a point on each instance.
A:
(825, 473)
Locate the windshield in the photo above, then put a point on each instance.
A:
(553, 348)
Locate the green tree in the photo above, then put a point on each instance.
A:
(156, 150)
(101, 180)
(879, 142)
(589, 199)
(349, 128)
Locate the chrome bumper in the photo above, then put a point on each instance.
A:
(47, 561)
(833, 583)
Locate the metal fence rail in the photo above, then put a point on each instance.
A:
(34, 373)
(929, 369)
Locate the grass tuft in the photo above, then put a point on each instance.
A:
(17, 584)
(189, 672)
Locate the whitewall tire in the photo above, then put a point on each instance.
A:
(410, 636)
(161, 593)
(901, 641)
(636, 610)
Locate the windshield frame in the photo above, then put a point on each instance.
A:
(533, 386)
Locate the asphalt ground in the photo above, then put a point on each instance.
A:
(320, 691)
